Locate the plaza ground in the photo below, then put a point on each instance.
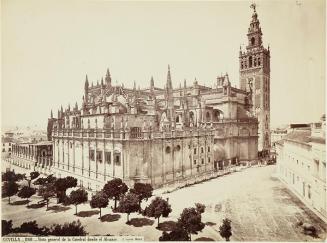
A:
(259, 205)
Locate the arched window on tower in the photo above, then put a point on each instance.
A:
(255, 61)
(252, 41)
(250, 61)
(259, 61)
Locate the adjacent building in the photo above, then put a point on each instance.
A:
(163, 135)
(301, 164)
(33, 156)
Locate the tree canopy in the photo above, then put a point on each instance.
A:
(46, 192)
(99, 200)
(190, 221)
(26, 192)
(77, 197)
(177, 234)
(157, 208)
(128, 204)
(143, 191)
(115, 189)
(9, 189)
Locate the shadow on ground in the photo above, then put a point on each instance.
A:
(87, 213)
(140, 222)
(167, 226)
(110, 217)
(21, 202)
(204, 239)
(36, 205)
(58, 209)
(210, 224)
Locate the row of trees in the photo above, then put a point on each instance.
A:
(74, 228)
(10, 186)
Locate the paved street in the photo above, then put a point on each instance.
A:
(260, 208)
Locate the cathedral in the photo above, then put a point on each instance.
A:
(164, 135)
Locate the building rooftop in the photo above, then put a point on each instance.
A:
(301, 136)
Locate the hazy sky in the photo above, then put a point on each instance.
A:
(49, 46)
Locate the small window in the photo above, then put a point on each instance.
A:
(178, 148)
(107, 156)
(209, 160)
(117, 159)
(194, 150)
(202, 150)
(194, 161)
(91, 155)
(202, 161)
(209, 149)
(167, 149)
(99, 156)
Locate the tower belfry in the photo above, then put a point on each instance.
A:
(255, 78)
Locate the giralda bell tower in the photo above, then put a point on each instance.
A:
(255, 78)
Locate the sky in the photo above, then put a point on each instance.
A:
(49, 46)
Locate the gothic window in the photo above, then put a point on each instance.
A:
(91, 155)
(117, 159)
(178, 148)
(177, 118)
(107, 156)
(208, 116)
(250, 61)
(202, 161)
(255, 62)
(259, 61)
(194, 161)
(208, 149)
(241, 65)
(88, 123)
(252, 41)
(99, 156)
(202, 150)
(167, 149)
(194, 150)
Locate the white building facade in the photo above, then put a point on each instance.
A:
(301, 165)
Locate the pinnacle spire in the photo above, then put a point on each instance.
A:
(51, 115)
(151, 82)
(169, 83)
(108, 77)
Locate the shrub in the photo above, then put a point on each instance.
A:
(6, 227)
(225, 229)
(177, 234)
(68, 229)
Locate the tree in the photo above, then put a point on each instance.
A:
(114, 189)
(177, 234)
(190, 221)
(8, 176)
(6, 227)
(11, 176)
(99, 200)
(128, 204)
(200, 207)
(26, 192)
(143, 191)
(225, 229)
(46, 192)
(9, 189)
(68, 229)
(33, 228)
(157, 208)
(62, 184)
(33, 175)
(77, 197)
